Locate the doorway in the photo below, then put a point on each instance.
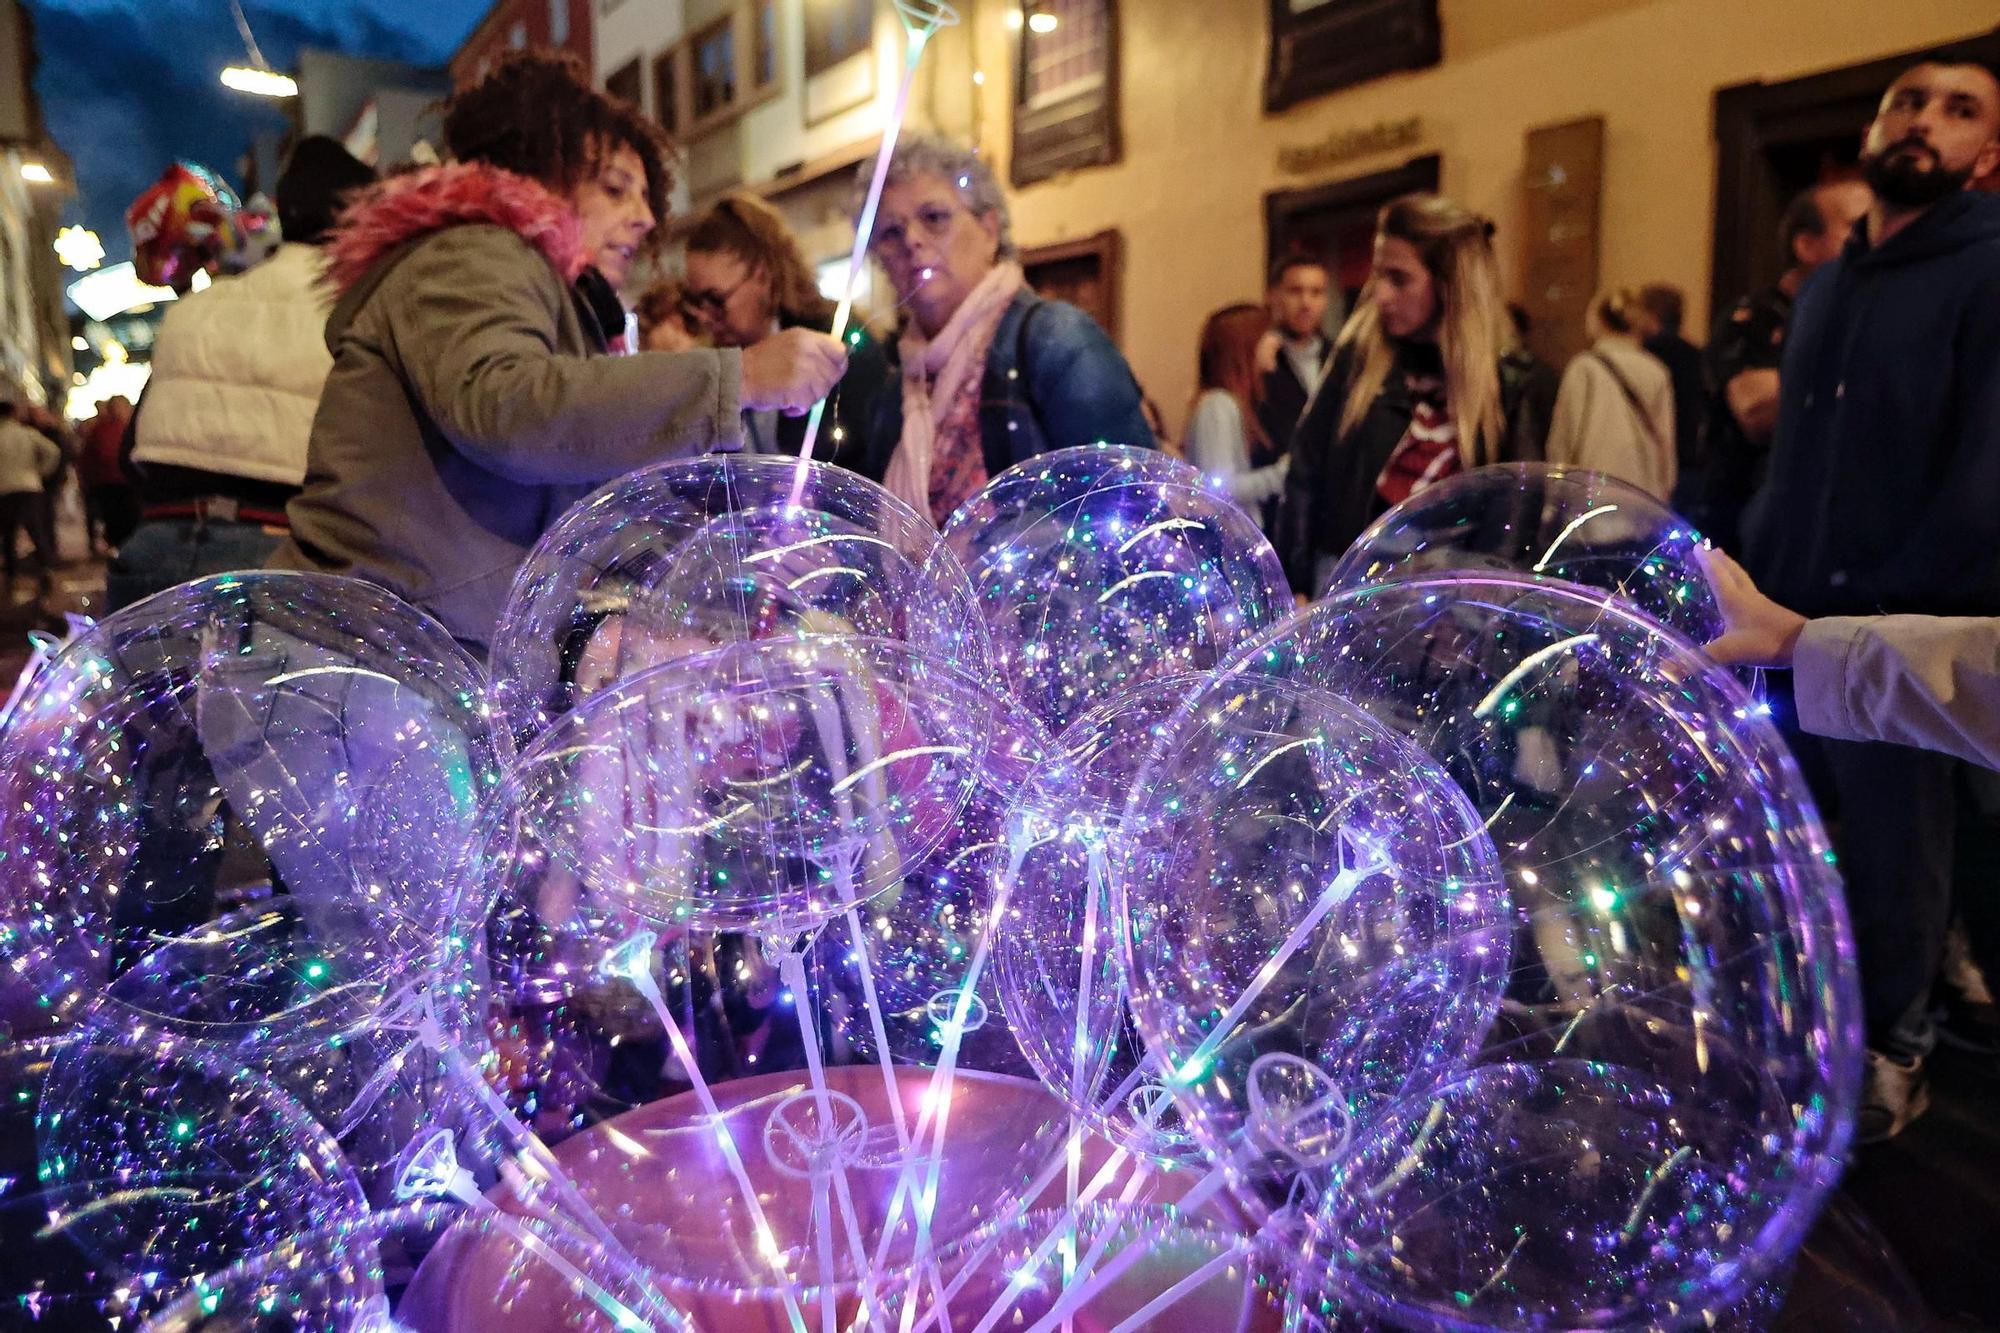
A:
(1775, 139)
(1082, 272)
(1335, 223)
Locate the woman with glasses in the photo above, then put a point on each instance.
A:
(747, 282)
(991, 373)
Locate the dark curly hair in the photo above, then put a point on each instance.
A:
(536, 114)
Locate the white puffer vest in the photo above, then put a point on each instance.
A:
(237, 371)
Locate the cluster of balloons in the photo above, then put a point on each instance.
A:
(812, 919)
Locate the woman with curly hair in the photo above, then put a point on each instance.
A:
(472, 399)
(746, 281)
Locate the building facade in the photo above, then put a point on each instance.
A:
(34, 180)
(1163, 152)
(512, 24)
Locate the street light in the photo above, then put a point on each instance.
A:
(79, 248)
(261, 82)
(36, 174)
(257, 77)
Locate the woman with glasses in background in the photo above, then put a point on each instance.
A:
(991, 373)
(747, 280)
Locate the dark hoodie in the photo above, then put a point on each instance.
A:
(1884, 489)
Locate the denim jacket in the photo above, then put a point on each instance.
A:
(1053, 380)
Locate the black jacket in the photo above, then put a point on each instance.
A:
(1884, 489)
(1285, 399)
(851, 407)
(1330, 495)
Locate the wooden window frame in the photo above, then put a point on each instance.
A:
(1108, 247)
(868, 44)
(1339, 43)
(680, 58)
(1075, 130)
(636, 68)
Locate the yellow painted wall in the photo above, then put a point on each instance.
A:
(1200, 153)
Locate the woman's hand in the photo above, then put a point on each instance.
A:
(1756, 631)
(790, 371)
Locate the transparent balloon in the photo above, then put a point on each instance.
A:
(707, 551)
(156, 1159)
(1544, 519)
(1663, 1102)
(767, 785)
(1060, 958)
(1100, 568)
(789, 1086)
(426, 1267)
(236, 812)
(1316, 927)
(46, 1278)
(895, 976)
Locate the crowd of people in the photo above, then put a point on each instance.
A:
(435, 365)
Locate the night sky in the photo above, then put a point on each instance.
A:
(129, 85)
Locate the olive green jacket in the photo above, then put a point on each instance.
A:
(469, 405)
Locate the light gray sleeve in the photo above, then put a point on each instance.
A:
(1927, 681)
(475, 313)
(1216, 444)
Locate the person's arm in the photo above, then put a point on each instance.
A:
(1083, 390)
(1927, 681)
(474, 314)
(1752, 396)
(48, 458)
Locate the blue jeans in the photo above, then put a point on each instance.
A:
(164, 553)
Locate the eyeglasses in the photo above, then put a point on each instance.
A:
(707, 300)
(931, 222)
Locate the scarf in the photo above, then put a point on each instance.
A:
(935, 369)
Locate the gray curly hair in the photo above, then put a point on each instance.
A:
(963, 168)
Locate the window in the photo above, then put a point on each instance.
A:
(558, 22)
(517, 36)
(714, 69)
(1069, 57)
(1320, 45)
(835, 30)
(667, 84)
(763, 43)
(1065, 89)
(625, 82)
(721, 70)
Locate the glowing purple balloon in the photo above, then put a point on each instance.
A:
(694, 554)
(1667, 1093)
(1315, 927)
(1550, 521)
(1101, 568)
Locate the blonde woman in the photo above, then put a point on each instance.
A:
(1417, 390)
(1615, 413)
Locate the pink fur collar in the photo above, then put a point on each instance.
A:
(396, 211)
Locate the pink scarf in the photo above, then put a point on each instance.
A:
(935, 369)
